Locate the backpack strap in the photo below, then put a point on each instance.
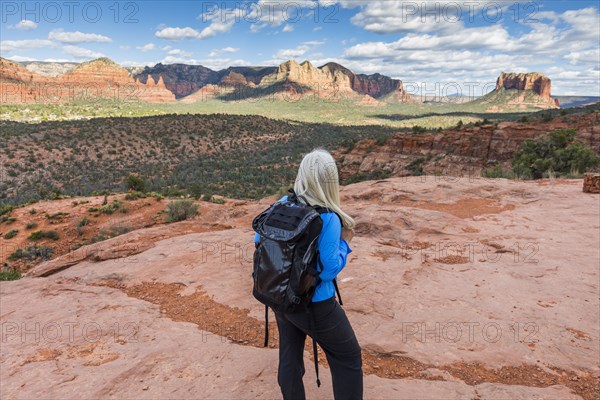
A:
(314, 343)
(337, 291)
(266, 325)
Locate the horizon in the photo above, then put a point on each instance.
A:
(474, 41)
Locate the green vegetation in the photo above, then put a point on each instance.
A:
(309, 109)
(110, 209)
(9, 274)
(5, 209)
(11, 234)
(180, 210)
(135, 183)
(556, 154)
(31, 253)
(113, 231)
(497, 172)
(31, 225)
(39, 235)
(416, 166)
(246, 157)
(373, 175)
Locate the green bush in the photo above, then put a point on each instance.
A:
(416, 166)
(554, 154)
(135, 183)
(11, 234)
(180, 210)
(31, 253)
(5, 210)
(497, 172)
(31, 225)
(10, 274)
(39, 235)
(418, 130)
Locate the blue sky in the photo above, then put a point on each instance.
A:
(428, 44)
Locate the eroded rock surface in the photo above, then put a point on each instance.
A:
(457, 289)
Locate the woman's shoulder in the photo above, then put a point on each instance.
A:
(331, 218)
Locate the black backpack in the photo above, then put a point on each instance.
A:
(285, 260)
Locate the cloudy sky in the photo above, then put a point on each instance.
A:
(428, 44)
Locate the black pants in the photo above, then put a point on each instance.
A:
(337, 339)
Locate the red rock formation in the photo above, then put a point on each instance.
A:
(591, 183)
(18, 85)
(234, 79)
(335, 79)
(459, 152)
(100, 78)
(534, 81)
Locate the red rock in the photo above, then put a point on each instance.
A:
(534, 81)
(591, 183)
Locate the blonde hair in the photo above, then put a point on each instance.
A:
(318, 182)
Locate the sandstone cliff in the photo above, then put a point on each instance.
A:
(333, 78)
(49, 68)
(536, 82)
(462, 152)
(101, 78)
(181, 79)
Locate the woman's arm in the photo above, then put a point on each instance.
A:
(332, 248)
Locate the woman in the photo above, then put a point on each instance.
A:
(318, 182)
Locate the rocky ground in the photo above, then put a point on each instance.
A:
(456, 288)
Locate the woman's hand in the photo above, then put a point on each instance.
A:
(347, 234)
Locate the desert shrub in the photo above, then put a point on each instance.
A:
(11, 234)
(497, 172)
(31, 253)
(135, 183)
(134, 196)
(556, 153)
(416, 166)
(31, 225)
(180, 210)
(57, 216)
(9, 274)
(418, 130)
(5, 210)
(39, 235)
(370, 176)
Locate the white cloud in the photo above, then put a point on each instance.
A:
(254, 28)
(26, 25)
(80, 52)
(213, 53)
(20, 58)
(77, 37)
(287, 54)
(178, 52)
(177, 33)
(147, 47)
(219, 23)
(230, 50)
(129, 63)
(591, 57)
(288, 28)
(11, 45)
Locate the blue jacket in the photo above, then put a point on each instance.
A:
(333, 251)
